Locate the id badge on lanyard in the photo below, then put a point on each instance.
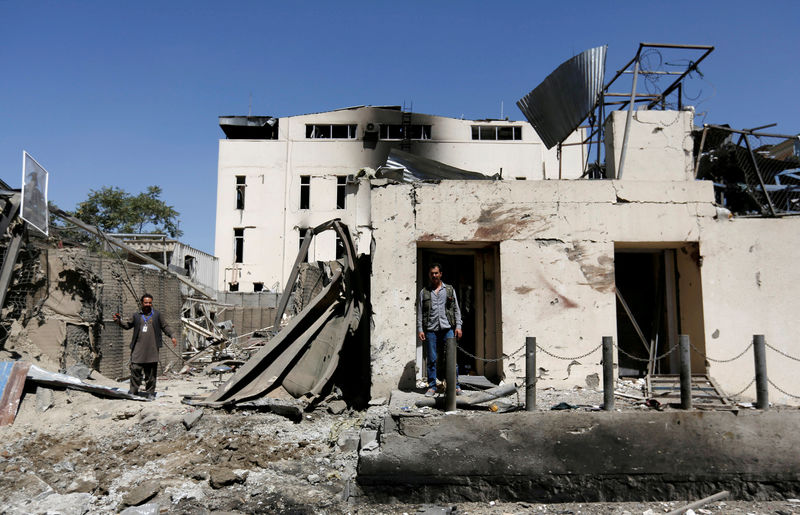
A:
(144, 327)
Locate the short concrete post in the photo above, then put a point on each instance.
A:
(530, 373)
(762, 387)
(450, 376)
(686, 372)
(608, 373)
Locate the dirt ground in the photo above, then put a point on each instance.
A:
(86, 454)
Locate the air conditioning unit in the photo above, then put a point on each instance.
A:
(371, 127)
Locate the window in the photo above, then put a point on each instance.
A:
(303, 234)
(339, 247)
(305, 191)
(188, 265)
(341, 191)
(238, 245)
(240, 186)
(233, 287)
(331, 131)
(395, 131)
(258, 286)
(497, 132)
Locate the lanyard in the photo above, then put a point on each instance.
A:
(146, 319)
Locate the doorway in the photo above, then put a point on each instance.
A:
(658, 297)
(474, 273)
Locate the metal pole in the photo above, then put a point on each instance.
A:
(530, 373)
(686, 372)
(700, 152)
(450, 376)
(630, 117)
(762, 387)
(608, 373)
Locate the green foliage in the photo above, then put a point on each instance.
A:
(115, 210)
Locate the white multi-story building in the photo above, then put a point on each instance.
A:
(279, 176)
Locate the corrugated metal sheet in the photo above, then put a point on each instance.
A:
(404, 166)
(560, 103)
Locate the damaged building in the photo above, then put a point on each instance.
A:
(277, 177)
(534, 248)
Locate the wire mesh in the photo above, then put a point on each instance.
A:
(753, 173)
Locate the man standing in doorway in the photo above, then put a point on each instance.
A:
(146, 341)
(438, 318)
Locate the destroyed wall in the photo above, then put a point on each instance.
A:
(557, 242)
(556, 246)
(63, 301)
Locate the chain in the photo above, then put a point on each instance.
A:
(720, 360)
(487, 360)
(781, 353)
(645, 360)
(781, 390)
(666, 353)
(743, 389)
(565, 358)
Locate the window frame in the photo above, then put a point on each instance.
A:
(341, 192)
(479, 130)
(238, 244)
(327, 131)
(305, 192)
(394, 131)
(241, 187)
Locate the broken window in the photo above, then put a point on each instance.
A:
(188, 265)
(341, 191)
(238, 245)
(302, 232)
(258, 287)
(240, 186)
(305, 191)
(497, 132)
(332, 131)
(395, 131)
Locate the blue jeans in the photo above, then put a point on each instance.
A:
(435, 342)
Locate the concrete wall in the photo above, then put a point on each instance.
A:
(272, 218)
(751, 283)
(557, 241)
(659, 145)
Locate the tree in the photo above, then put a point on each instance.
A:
(115, 210)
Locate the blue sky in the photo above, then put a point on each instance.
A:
(127, 94)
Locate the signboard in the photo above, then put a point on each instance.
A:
(34, 193)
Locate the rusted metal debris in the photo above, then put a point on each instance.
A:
(303, 356)
(12, 382)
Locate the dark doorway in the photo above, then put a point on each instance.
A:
(472, 273)
(658, 298)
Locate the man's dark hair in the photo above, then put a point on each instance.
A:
(434, 265)
(146, 296)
